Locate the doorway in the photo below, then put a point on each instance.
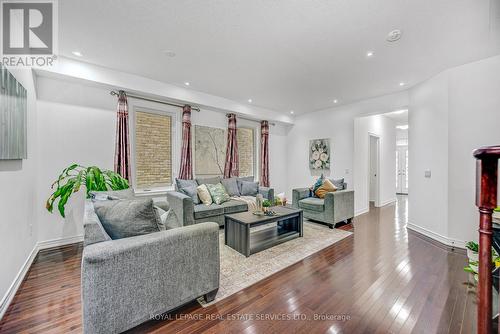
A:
(402, 170)
(373, 173)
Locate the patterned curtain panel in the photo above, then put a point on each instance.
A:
(231, 167)
(186, 170)
(122, 146)
(264, 153)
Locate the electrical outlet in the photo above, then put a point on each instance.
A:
(427, 173)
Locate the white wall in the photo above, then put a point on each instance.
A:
(385, 129)
(18, 228)
(77, 124)
(428, 150)
(338, 125)
(450, 115)
(474, 121)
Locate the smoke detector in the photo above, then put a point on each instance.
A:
(394, 35)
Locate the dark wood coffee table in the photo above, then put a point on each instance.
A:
(239, 236)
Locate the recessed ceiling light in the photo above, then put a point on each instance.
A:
(370, 54)
(249, 100)
(186, 83)
(77, 53)
(169, 53)
(291, 112)
(335, 101)
(402, 84)
(402, 127)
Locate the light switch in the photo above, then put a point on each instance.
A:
(347, 171)
(427, 173)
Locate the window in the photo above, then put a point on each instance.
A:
(246, 151)
(153, 149)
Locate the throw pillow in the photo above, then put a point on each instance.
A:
(231, 186)
(159, 213)
(188, 187)
(249, 188)
(192, 192)
(204, 194)
(339, 183)
(169, 219)
(316, 185)
(326, 187)
(243, 178)
(208, 180)
(218, 192)
(128, 217)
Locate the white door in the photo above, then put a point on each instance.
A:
(402, 170)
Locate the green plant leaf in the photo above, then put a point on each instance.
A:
(73, 177)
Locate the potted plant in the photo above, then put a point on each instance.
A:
(472, 251)
(266, 204)
(74, 176)
(473, 257)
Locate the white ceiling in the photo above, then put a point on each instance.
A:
(399, 118)
(284, 54)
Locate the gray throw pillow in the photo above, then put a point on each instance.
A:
(231, 186)
(161, 203)
(169, 219)
(128, 217)
(243, 178)
(192, 192)
(339, 183)
(159, 213)
(188, 187)
(112, 194)
(208, 180)
(249, 188)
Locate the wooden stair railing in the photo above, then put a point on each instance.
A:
(486, 201)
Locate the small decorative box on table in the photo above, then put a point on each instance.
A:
(286, 225)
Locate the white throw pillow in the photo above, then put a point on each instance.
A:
(204, 194)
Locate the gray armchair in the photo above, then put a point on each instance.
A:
(336, 207)
(127, 281)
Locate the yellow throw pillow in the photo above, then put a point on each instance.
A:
(326, 187)
(204, 194)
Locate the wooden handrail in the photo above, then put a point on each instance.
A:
(486, 201)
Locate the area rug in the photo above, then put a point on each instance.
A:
(239, 272)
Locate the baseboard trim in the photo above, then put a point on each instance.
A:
(387, 202)
(361, 212)
(21, 275)
(18, 280)
(59, 242)
(445, 242)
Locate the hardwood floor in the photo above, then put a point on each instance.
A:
(381, 279)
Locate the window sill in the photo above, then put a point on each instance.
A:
(153, 191)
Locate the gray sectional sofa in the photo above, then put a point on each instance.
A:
(127, 281)
(336, 207)
(190, 213)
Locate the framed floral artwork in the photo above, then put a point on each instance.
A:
(319, 154)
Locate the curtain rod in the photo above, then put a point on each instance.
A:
(250, 119)
(154, 100)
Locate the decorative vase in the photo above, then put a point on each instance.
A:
(258, 200)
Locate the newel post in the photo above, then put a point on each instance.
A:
(486, 201)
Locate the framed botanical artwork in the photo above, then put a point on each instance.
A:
(319, 154)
